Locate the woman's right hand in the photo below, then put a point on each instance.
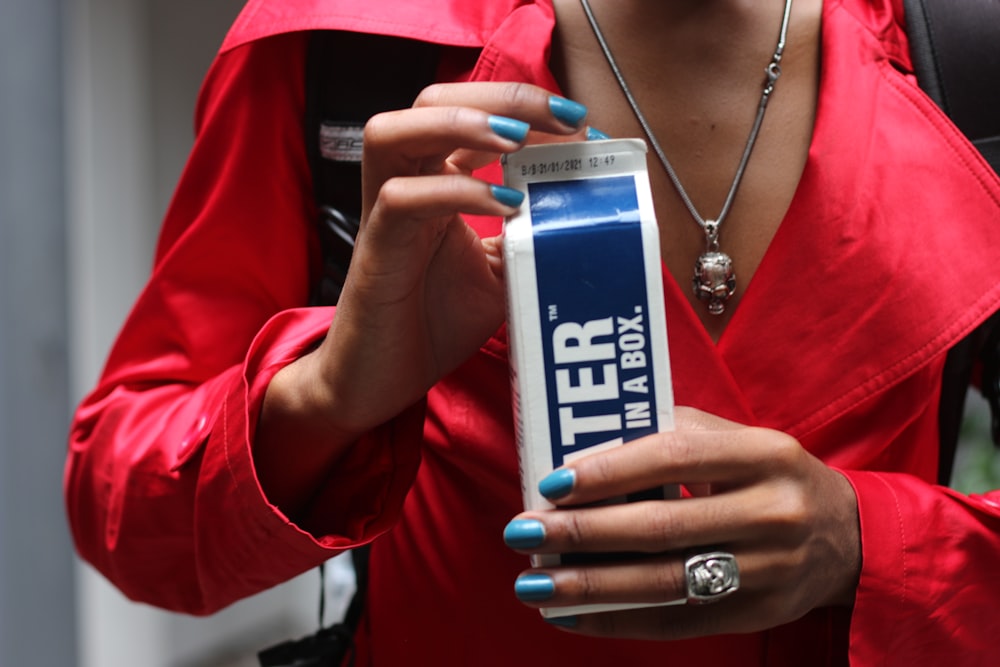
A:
(424, 292)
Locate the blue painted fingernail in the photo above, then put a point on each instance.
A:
(567, 111)
(524, 534)
(593, 134)
(557, 484)
(507, 196)
(534, 587)
(563, 621)
(509, 128)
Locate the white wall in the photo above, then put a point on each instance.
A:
(134, 69)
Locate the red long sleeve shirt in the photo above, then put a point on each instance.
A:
(887, 256)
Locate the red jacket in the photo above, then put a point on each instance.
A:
(887, 256)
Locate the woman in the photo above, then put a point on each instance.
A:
(237, 439)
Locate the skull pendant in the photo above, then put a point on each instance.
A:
(714, 280)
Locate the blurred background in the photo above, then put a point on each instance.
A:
(96, 108)
(96, 115)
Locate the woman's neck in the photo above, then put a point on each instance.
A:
(697, 70)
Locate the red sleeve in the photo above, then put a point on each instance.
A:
(929, 582)
(160, 484)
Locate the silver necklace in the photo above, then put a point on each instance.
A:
(714, 278)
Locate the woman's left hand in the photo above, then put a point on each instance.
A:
(790, 521)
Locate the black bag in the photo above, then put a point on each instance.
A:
(330, 645)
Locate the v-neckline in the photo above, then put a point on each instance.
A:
(682, 307)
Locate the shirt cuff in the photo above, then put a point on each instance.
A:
(363, 498)
(922, 597)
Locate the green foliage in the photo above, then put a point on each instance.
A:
(977, 462)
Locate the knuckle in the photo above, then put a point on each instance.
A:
(663, 527)
(666, 627)
(785, 450)
(680, 448)
(392, 194)
(601, 470)
(607, 625)
(668, 583)
(457, 116)
(518, 95)
(375, 129)
(430, 96)
(575, 531)
(792, 510)
(587, 584)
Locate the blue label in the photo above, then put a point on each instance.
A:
(594, 312)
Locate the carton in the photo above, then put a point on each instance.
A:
(589, 360)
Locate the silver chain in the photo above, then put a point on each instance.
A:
(773, 71)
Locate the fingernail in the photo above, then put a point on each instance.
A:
(507, 196)
(593, 134)
(567, 111)
(557, 484)
(534, 587)
(509, 128)
(563, 621)
(524, 534)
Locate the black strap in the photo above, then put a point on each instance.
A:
(955, 46)
(350, 77)
(359, 557)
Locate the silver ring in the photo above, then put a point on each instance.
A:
(711, 577)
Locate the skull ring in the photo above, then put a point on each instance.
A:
(711, 577)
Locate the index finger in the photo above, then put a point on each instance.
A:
(534, 105)
(686, 457)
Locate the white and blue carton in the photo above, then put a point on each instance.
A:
(589, 361)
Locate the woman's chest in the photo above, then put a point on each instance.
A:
(700, 94)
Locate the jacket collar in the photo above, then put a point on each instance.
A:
(886, 257)
(450, 22)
